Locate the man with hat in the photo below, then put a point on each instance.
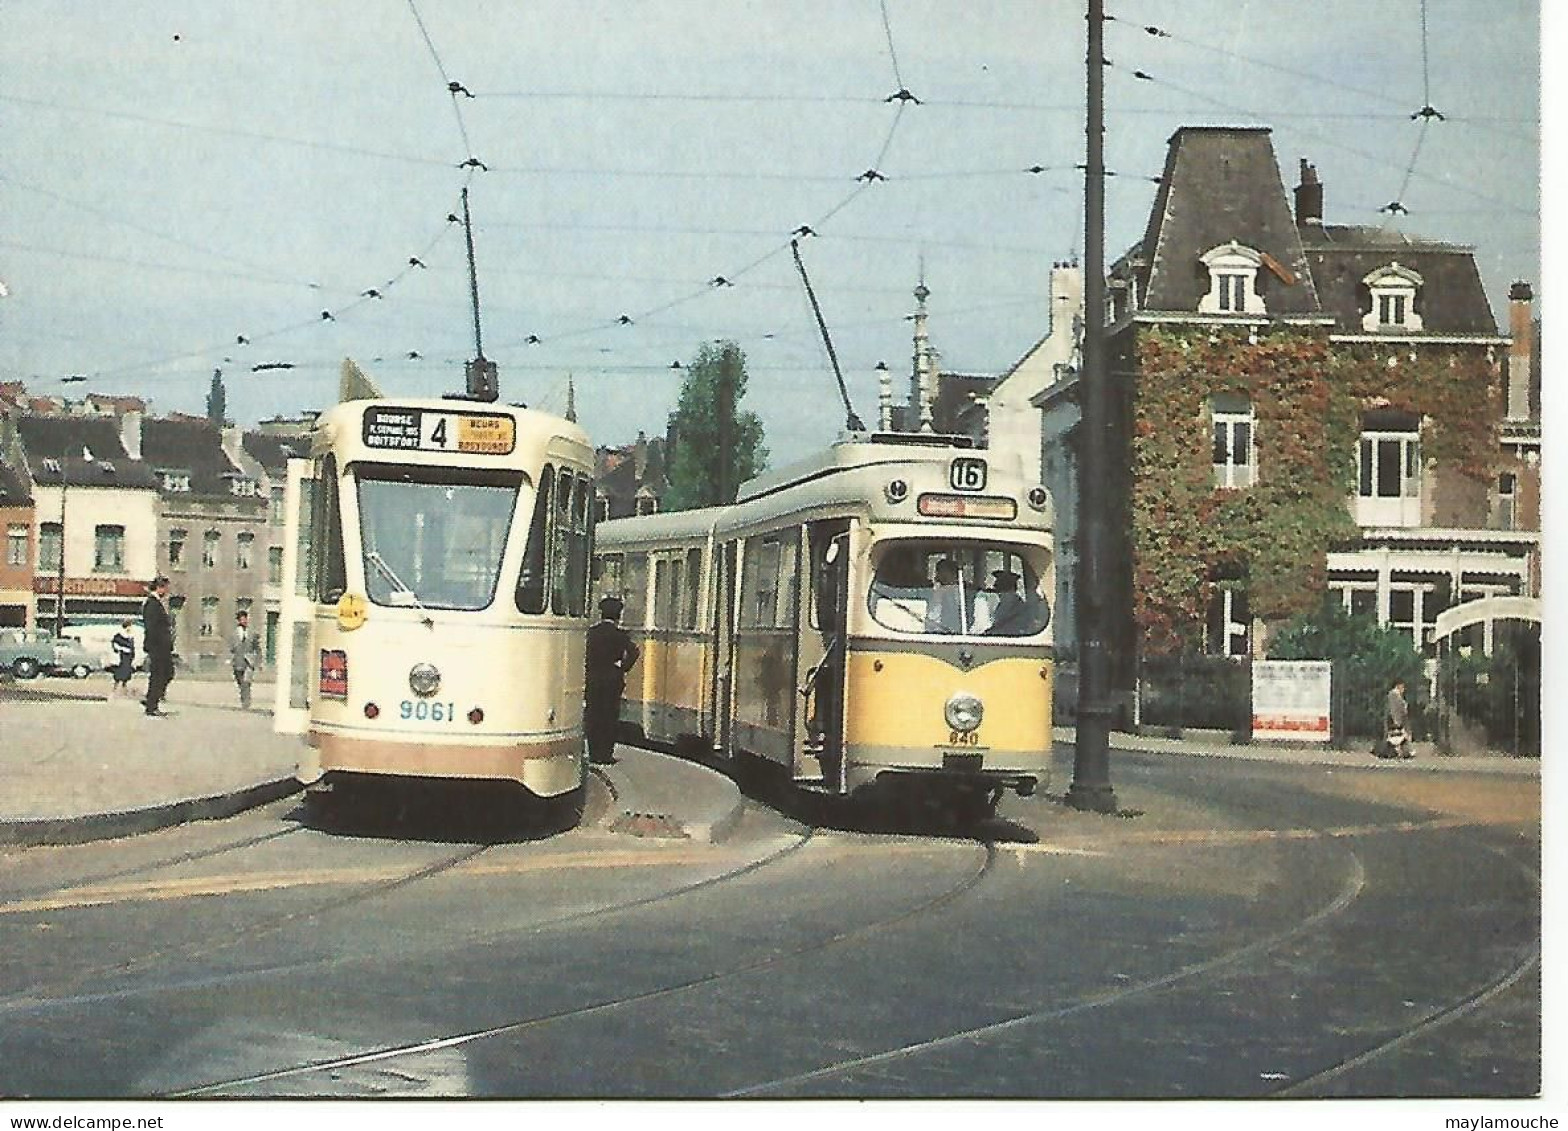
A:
(1011, 616)
(158, 643)
(611, 655)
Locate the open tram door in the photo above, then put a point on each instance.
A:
(297, 613)
(820, 658)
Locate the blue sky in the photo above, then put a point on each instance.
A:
(176, 175)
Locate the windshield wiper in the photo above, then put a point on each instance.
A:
(401, 595)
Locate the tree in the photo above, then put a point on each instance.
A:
(1367, 659)
(217, 401)
(714, 447)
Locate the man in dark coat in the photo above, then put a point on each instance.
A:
(611, 654)
(158, 644)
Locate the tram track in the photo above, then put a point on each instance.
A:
(48, 993)
(392, 1052)
(1434, 1019)
(87, 883)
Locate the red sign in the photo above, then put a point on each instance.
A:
(92, 586)
(334, 674)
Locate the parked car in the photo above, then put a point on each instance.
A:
(96, 637)
(26, 652)
(74, 659)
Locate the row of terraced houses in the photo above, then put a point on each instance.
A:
(98, 496)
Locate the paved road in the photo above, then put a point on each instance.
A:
(1245, 930)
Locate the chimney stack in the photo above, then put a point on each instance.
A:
(1521, 328)
(131, 433)
(1309, 196)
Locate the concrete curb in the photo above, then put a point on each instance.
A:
(37, 832)
(706, 807)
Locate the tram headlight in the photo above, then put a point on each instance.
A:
(896, 491)
(1039, 497)
(424, 680)
(964, 712)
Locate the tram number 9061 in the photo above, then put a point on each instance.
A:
(422, 710)
(963, 738)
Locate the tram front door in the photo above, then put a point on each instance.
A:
(819, 730)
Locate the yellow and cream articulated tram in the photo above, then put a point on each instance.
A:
(436, 581)
(876, 615)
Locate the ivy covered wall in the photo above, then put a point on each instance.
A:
(1308, 395)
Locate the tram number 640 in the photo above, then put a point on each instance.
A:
(423, 710)
(963, 738)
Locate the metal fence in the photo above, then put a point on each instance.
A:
(1491, 702)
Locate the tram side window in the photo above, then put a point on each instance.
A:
(609, 575)
(693, 589)
(578, 546)
(635, 591)
(760, 583)
(531, 582)
(789, 567)
(331, 572)
(663, 592)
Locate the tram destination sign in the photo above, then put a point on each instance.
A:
(391, 428)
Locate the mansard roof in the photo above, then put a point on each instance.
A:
(1452, 299)
(82, 445)
(1221, 185)
(191, 444)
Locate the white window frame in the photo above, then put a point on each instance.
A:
(243, 543)
(1233, 280)
(1238, 634)
(108, 548)
(1229, 474)
(51, 546)
(1368, 481)
(209, 617)
(16, 539)
(1393, 308)
(210, 543)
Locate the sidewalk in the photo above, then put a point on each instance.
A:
(77, 768)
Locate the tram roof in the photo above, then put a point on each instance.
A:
(874, 449)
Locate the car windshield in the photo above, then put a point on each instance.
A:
(433, 538)
(959, 588)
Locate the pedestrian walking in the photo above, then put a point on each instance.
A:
(124, 645)
(244, 656)
(1396, 723)
(158, 642)
(610, 655)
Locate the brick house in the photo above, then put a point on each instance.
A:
(1298, 407)
(211, 534)
(95, 508)
(21, 551)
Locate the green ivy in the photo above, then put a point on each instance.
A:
(1308, 396)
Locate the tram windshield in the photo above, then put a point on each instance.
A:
(433, 537)
(959, 588)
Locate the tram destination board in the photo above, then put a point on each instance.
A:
(426, 430)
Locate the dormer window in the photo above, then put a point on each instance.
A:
(1393, 289)
(52, 466)
(1233, 279)
(244, 488)
(175, 482)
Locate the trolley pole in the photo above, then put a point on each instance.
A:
(482, 383)
(1091, 787)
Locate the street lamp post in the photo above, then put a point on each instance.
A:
(1091, 787)
(59, 581)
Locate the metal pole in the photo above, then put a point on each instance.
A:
(1091, 787)
(724, 395)
(473, 277)
(59, 591)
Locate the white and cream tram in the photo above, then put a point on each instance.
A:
(877, 615)
(435, 597)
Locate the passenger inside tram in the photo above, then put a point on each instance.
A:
(931, 587)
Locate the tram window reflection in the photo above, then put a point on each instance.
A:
(959, 588)
(434, 538)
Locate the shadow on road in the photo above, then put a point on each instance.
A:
(441, 812)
